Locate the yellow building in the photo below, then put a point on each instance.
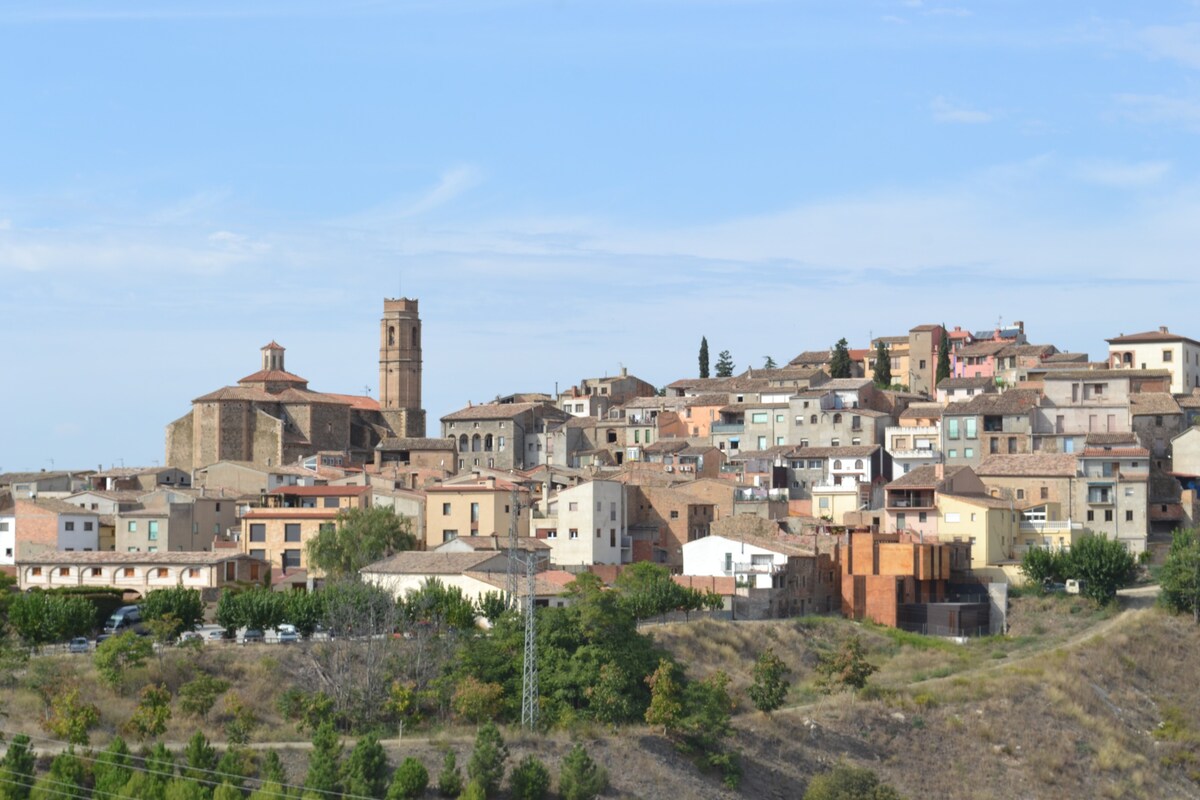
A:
(991, 526)
(473, 506)
(280, 532)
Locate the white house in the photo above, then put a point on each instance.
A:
(752, 563)
(47, 525)
(8, 541)
(585, 524)
(475, 573)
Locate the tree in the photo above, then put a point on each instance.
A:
(67, 778)
(358, 537)
(724, 364)
(41, 617)
(769, 363)
(449, 779)
(770, 686)
(708, 708)
(227, 791)
(197, 696)
(365, 772)
(153, 712)
(943, 363)
(17, 769)
(666, 699)
(119, 654)
(112, 769)
(486, 766)
(323, 765)
(268, 790)
(1040, 565)
(883, 365)
(1180, 576)
(71, 718)
(703, 357)
(845, 782)
(185, 789)
(184, 604)
(490, 606)
(200, 759)
(233, 768)
(474, 791)
(304, 610)
(1104, 565)
(241, 722)
(840, 365)
(409, 780)
(581, 778)
(530, 780)
(848, 667)
(272, 768)
(477, 701)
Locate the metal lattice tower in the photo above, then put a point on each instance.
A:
(529, 683)
(514, 518)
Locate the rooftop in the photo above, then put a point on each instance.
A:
(1147, 337)
(433, 562)
(1055, 465)
(501, 411)
(416, 443)
(1014, 401)
(1153, 403)
(97, 557)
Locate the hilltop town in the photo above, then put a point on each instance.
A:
(964, 449)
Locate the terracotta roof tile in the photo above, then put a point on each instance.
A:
(1153, 403)
(1014, 401)
(1058, 465)
(1151, 336)
(503, 411)
(432, 562)
(416, 443)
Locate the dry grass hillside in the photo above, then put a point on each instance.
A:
(1075, 703)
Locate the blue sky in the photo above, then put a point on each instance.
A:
(568, 187)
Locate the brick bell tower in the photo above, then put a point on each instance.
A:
(400, 367)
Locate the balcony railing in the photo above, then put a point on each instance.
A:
(728, 427)
(905, 502)
(923, 452)
(847, 486)
(1049, 526)
(912, 430)
(747, 568)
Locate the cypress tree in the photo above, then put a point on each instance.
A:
(839, 363)
(943, 365)
(883, 365)
(703, 356)
(365, 771)
(486, 766)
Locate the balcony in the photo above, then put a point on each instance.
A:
(846, 485)
(729, 427)
(905, 500)
(1049, 526)
(748, 568)
(923, 452)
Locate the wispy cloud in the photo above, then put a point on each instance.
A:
(946, 111)
(1159, 108)
(1180, 43)
(1123, 175)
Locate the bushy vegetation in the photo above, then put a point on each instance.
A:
(845, 782)
(1179, 577)
(1104, 565)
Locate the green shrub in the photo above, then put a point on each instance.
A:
(581, 778)
(530, 780)
(409, 780)
(845, 782)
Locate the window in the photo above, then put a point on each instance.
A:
(3, 526)
(573, 533)
(161, 572)
(971, 426)
(597, 533)
(837, 464)
(330, 502)
(922, 363)
(70, 526)
(291, 532)
(762, 443)
(449, 534)
(835, 442)
(151, 549)
(674, 514)
(951, 454)
(97, 572)
(994, 446)
(87, 526)
(1045, 493)
(759, 418)
(779, 418)
(837, 419)
(952, 428)
(291, 559)
(1158, 420)
(474, 512)
(152, 530)
(572, 506)
(1091, 516)
(551, 534)
(612, 512)
(968, 452)
(1108, 517)
(1129, 515)
(922, 516)
(259, 554)
(64, 571)
(1168, 355)
(445, 509)
(1020, 494)
(1012, 444)
(813, 419)
(35, 571)
(258, 532)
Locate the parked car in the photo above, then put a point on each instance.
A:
(126, 618)
(79, 644)
(287, 634)
(190, 636)
(220, 634)
(253, 636)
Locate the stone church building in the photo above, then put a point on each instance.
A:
(271, 417)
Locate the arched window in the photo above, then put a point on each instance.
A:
(1129, 358)
(475, 442)
(416, 339)
(837, 464)
(391, 335)
(487, 443)
(858, 464)
(837, 419)
(813, 420)
(463, 444)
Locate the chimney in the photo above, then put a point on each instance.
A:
(624, 372)
(1163, 329)
(939, 471)
(1020, 326)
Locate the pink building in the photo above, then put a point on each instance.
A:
(976, 360)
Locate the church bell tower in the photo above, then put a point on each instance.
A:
(400, 367)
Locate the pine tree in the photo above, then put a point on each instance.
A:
(111, 770)
(272, 769)
(703, 357)
(365, 771)
(233, 767)
(17, 769)
(840, 365)
(409, 780)
(724, 365)
(200, 758)
(486, 766)
(450, 779)
(770, 686)
(943, 365)
(66, 779)
(883, 365)
(530, 780)
(666, 703)
(323, 765)
(581, 778)
(769, 363)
